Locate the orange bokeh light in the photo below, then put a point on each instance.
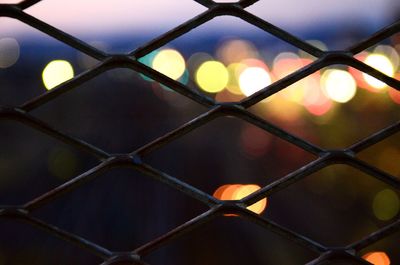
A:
(228, 193)
(377, 258)
(393, 93)
(239, 191)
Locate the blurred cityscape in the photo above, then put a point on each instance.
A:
(121, 110)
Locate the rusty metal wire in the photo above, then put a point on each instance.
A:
(325, 157)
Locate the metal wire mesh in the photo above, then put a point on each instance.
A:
(347, 254)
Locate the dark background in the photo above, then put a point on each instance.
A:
(123, 209)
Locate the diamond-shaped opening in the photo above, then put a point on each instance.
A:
(228, 151)
(32, 163)
(21, 243)
(337, 25)
(227, 58)
(324, 107)
(121, 209)
(118, 110)
(230, 241)
(334, 206)
(387, 245)
(385, 155)
(25, 52)
(122, 24)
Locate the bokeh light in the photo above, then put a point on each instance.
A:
(170, 63)
(321, 108)
(57, 72)
(314, 100)
(254, 62)
(239, 191)
(386, 205)
(246, 190)
(227, 194)
(390, 53)
(234, 70)
(212, 76)
(147, 60)
(286, 63)
(234, 51)
(377, 258)
(197, 59)
(359, 75)
(218, 193)
(381, 63)
(9, 52)
(338, 85)
(273, 106)
(253, 79)
(394, 95)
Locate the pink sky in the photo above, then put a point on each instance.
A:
(101, 16)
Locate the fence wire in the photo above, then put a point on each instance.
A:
(348, 254)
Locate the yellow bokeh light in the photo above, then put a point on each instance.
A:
(386, 205)
(239, 191)
(170, 63)
(212, 76)
(234, 71)
(338, 85)
(253, 79)
(57, 72)
(377, 258)
(381, 63)
(390, 52)
(246, 190)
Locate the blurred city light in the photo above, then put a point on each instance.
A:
(390, 52)
(377, 258)
(253, 79)
(381, 63)
(338, 85)
(212, 76)
(234, 70)
(9, 52)
(386, 205)
(234, 51)
(197, 59)
(394, 95)
(286, 63)
(237, 192)
(170, 63)
(57, 72)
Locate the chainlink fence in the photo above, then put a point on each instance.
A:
(348, 254)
